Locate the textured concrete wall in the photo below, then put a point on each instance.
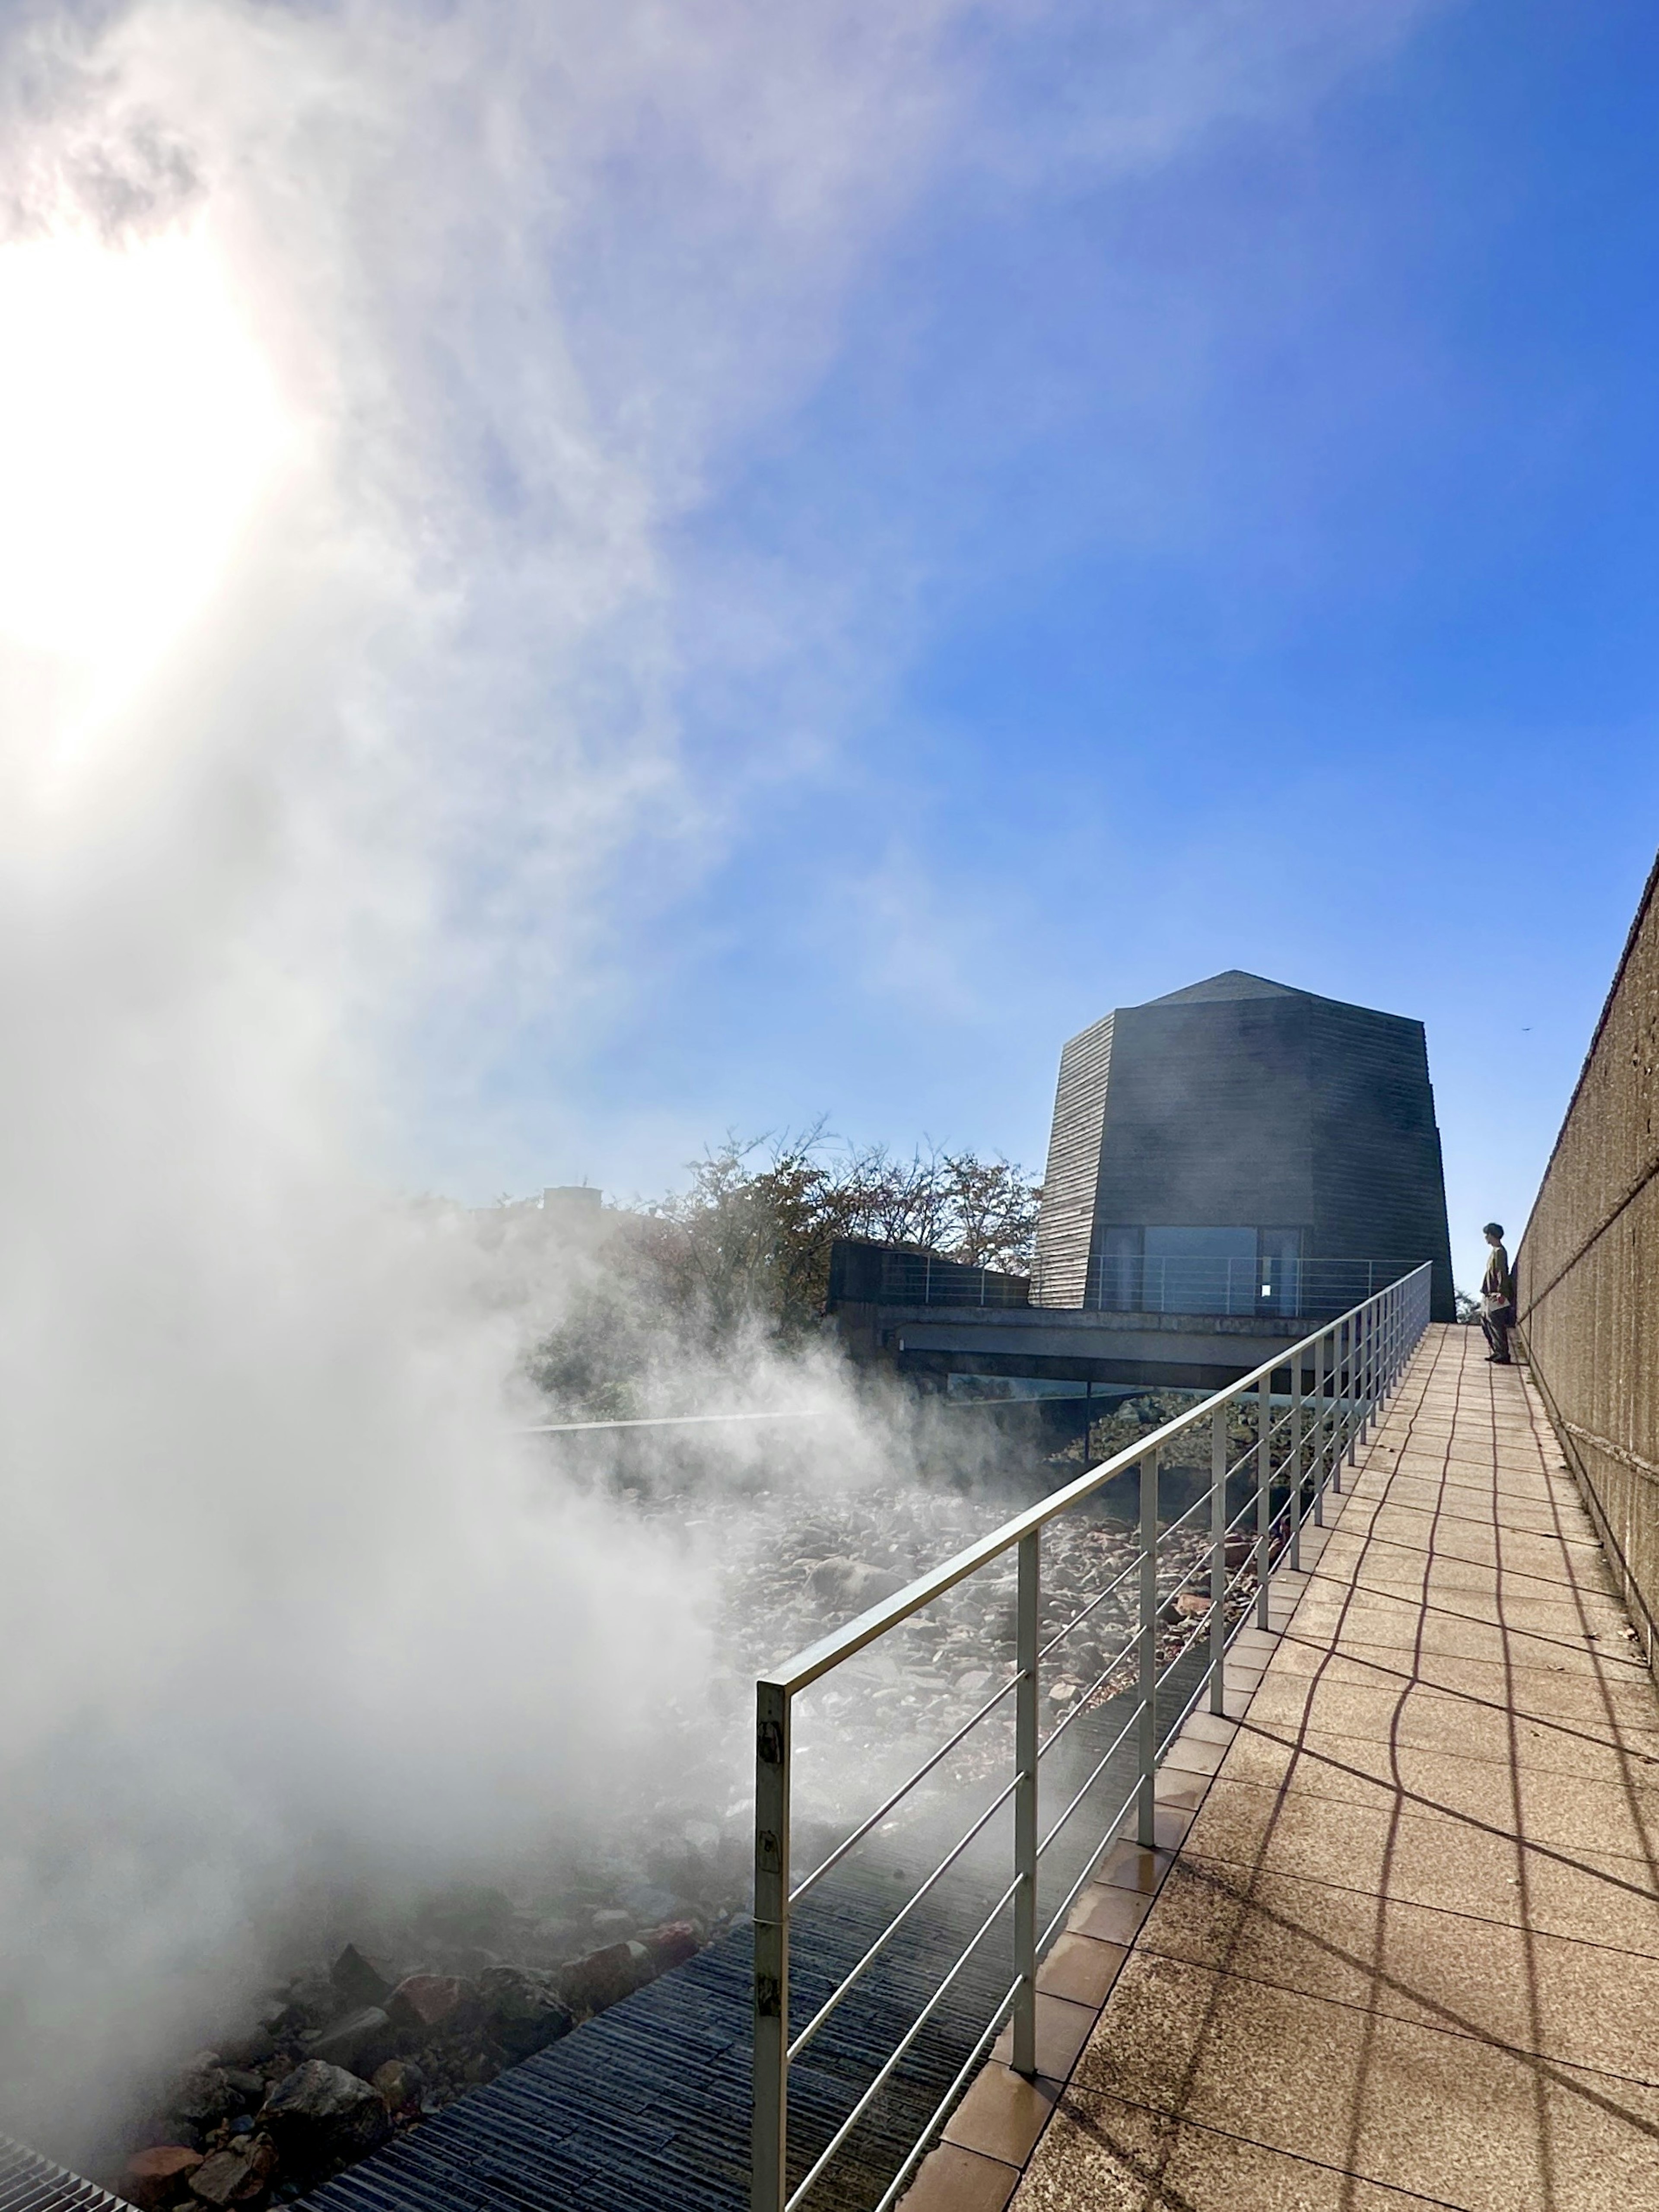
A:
(1588, 1268)
(1066, 1224)
(1242, 1102)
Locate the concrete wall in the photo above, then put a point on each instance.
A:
(1587, 1271)
(1066, 1224)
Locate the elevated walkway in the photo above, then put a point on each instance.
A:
(1405, 1949)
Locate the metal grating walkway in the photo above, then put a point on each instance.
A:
(648, 2104)
(31, 2184)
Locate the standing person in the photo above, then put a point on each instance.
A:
(1497, 1297)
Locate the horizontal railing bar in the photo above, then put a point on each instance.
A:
(1108, 1839)
(898, 1920)
(1110, 1753)
(1199, 1627)
(805, 1666)
(882, 1811)
(667, 1421)
(1084, 1696)
(1134, 1567)
(1076, 1619)
(910, 2035)
(987, 2036)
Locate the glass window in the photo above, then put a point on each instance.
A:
(1200, 1270)
(1117, 1285)
(1279, 1271)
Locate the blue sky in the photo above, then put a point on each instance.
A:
(1246, 560)
(799, 553)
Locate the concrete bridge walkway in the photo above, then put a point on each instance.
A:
(1407, 1951)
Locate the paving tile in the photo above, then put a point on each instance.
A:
(1208, 1728)
(1427, 1858)
(1565, 1810)
(1003, 2114)
(952, 2179)
(1081, 1967)
(1400, 1624)
(1109, 1912)
(1442, 2116)
(1109, 2157)
(1579, 2003)
(1193, 1756)
(1126, 1866)
(1062, 2029)
(1179, 1788)
(1619, 1702)
(1421, 1716)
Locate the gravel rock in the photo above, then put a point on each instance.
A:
(361, 2042)
(358, 1982)
(422, 2002)
(203, 2096)
(401, 2083)
(250, 2047)
(523, 2009)
(854, 1584)
(672, 1944)
(238, 2176)
(606, 1978)
(152, 2176)
(319, 2116)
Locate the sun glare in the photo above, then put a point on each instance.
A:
(138, 423)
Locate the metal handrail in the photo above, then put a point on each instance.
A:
(1356, 1359)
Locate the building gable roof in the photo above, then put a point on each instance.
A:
(1231, 983)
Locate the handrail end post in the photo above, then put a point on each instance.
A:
(1028, 1619)
(769, 2185)
(1146, 1793)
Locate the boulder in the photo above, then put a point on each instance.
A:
(152, 2176)
(853, 1583)
(523, 2009)
(422, 2002)
(606, 1978)
(240, 2175)
(1192, 1605)
(361, 2041)
(319, 2116)
(672, 1944)
(249, 2046)
(358, 1982)
(402, 2084)
(203, 2096)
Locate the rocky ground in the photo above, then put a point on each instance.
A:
(357, 2046)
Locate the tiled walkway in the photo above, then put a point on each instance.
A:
(1408, 1952)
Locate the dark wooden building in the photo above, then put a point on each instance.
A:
(1241, 1147)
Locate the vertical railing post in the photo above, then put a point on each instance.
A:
(1351, 1393)
(1295, 1463)
(1146, 1802)
(1367, 1316)
(1263, 1475)
(1027, 1617)
(1218, 1559)
(1318, 1467)
(770, 2137)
